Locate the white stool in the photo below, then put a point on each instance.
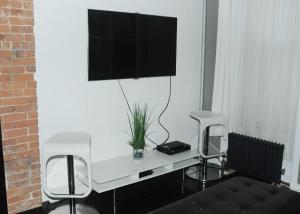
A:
(206, 120)
(70, 145)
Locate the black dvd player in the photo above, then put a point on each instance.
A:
(174, 147)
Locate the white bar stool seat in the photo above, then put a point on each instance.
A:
(207, 120)
(70, 145)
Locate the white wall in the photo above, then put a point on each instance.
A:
(68, 101)
(295, 182)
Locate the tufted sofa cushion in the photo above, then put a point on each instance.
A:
(238, 195)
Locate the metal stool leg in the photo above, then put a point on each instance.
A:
(205, 151)
(115, 204)
(183, 180)
(204, 173)
(72, 208)
(71, 181)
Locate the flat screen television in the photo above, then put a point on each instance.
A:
(130, 45)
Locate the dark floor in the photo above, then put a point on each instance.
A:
(137, 198)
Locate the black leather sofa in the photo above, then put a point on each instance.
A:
(238, 195)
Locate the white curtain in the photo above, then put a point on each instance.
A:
(257, 74)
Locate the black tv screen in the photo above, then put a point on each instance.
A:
(130, 45)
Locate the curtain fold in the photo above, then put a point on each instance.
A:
(257, 74)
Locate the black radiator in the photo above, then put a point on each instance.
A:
(3, 201)
(256, 158)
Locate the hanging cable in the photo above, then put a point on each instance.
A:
(170, 92)
(124, 95)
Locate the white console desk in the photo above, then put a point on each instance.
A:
(121, 171)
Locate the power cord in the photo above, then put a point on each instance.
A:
(124, 95)
(170, 92)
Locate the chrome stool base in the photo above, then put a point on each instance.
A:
(214, 173)
(80, 209)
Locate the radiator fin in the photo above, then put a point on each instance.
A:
(256, 158)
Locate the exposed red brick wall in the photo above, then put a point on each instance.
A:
(18, 105)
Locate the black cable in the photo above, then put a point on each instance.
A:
(170, 92)
(124, 95)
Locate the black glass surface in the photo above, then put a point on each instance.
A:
(129, 45)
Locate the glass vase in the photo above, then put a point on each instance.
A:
(138, 153)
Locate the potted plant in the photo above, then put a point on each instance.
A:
(139, 124)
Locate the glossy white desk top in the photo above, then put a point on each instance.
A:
(122, 171)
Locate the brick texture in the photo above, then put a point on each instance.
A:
(18, 105)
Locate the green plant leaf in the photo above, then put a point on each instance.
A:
(139, 125)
